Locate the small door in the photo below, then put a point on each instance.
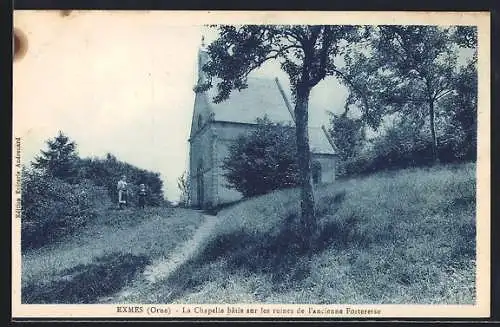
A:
(316, 172)
(200, 186)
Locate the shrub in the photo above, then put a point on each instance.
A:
(400, 147)
(107, 172)
(264, 160)
(52, 208)
(348, 134)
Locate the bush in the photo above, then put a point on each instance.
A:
(348, 134)
(61, 192)
(107, 172)
(400, 147)
(264, 160)
(52, 208)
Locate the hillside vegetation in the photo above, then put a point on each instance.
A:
(77, 247)
(394, 237)
(62, 192)
(105, 255)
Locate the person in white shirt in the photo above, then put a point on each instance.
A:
(122, 191)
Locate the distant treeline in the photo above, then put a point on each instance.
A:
(62, 192)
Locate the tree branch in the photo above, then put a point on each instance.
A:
(277, 54)
(442, 87)
(353, 86)
(323, 57)
(439, 96)
(398, 39)
(291, 33)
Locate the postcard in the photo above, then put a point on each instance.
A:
(225, 164)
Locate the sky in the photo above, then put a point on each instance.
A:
(121, 84)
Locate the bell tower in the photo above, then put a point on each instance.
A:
(202, 60)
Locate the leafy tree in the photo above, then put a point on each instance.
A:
(60, 159)
(264, 160)
(348, 134)
(410, 69)
(466, 37)
(462, 104)
(460, 131)
(306, 53)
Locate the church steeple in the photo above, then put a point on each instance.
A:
(202, 60)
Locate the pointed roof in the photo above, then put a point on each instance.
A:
(245, 106)
(263, 96)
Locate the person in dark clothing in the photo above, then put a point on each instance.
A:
(142, 196)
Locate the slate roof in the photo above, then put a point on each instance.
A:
(318, 142)
(260, 98)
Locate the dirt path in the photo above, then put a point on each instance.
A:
(162, 268)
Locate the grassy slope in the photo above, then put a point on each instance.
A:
(400, 237)
(115, 237)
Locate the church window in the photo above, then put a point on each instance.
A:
(316, 172)
(199, 121)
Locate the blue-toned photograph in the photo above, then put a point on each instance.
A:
(225, 164)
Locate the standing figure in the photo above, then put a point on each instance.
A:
(142, 196)
(122, 192)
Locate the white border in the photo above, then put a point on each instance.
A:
(482, 306)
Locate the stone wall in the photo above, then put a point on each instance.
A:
(201, 166)
(210, 145)
(328, 165)
(226, 133)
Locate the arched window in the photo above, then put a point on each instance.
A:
(316, 172)
(199, 121)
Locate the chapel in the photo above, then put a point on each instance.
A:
(215, 126)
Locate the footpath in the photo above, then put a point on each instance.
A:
(163, 267)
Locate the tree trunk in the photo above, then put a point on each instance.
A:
(435, 157)
(307, 218)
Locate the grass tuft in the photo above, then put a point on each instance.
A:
(394, 237)
(121, 240)
(399, 237)
(85, 283)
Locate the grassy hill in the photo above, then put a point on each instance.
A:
(104, 256)
(406, 236)
(398, 237)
